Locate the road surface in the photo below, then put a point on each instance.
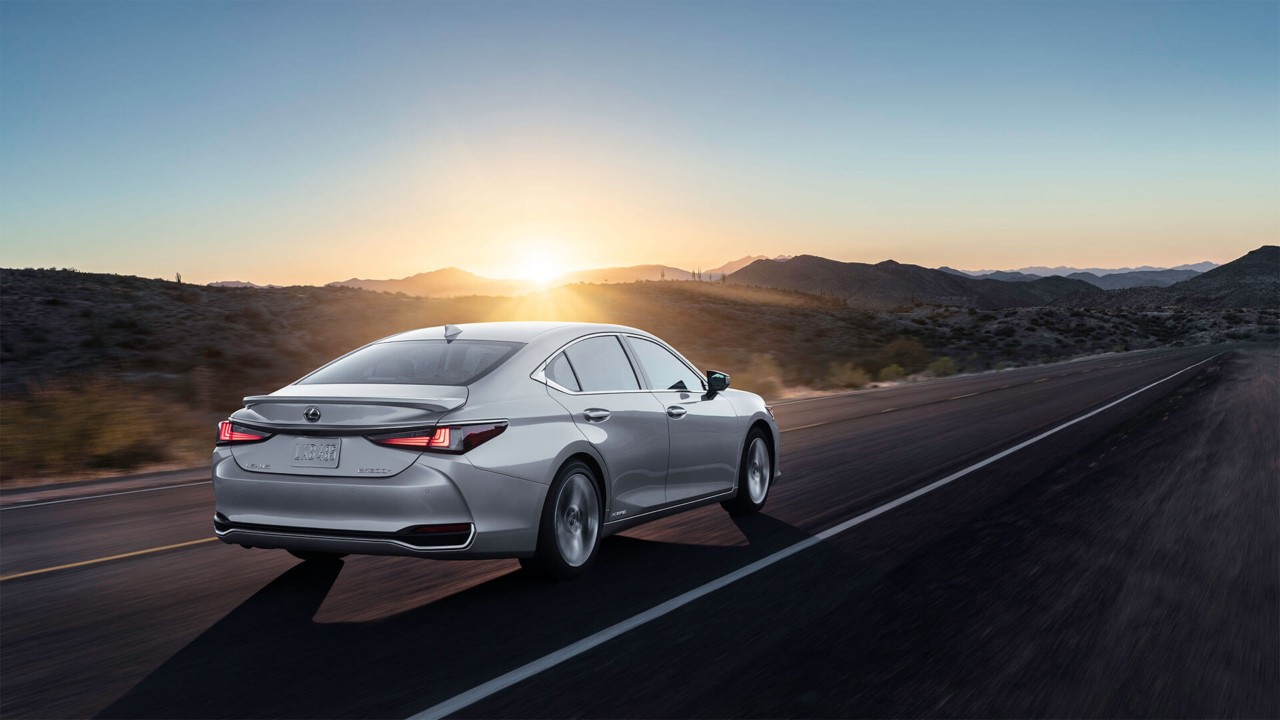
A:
(1127, 564)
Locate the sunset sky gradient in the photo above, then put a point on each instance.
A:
(308, 142)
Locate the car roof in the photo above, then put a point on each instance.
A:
(522, 332)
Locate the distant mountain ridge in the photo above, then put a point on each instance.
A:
(446, 282)
(1111, 280)
(1250, 281)
(734, 266)
(241, 284)
(1062, 270)
(891, 284)
(879, 286)
(1136, 278)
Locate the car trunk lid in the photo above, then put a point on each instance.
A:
(322, 429)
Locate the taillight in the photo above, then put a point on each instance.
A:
(450, 439)
(229, 433)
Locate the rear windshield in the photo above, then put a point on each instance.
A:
(415, 362)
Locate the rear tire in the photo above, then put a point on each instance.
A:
(319, 558)
(569, 530)
(755, 476)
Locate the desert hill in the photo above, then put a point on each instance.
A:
(891, 284)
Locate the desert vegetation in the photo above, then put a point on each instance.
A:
(105, 372)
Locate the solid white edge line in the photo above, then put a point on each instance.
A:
(502, 682)
(105, 495)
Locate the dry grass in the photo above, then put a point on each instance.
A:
(69, 427)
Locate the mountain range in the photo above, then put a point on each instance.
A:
(455, 282)
(1107, 279)
(1043, 271)
(1249, 281)
(892, 284)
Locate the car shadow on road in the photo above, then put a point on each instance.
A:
(270, 658)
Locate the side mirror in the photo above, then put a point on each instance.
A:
(717, 381)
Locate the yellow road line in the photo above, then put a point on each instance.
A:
(806, 427)
(96, 561)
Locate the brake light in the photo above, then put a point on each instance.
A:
(451, 439)
(439, 438)
(229, 433)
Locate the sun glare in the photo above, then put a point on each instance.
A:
(539, 270)
(541, 266)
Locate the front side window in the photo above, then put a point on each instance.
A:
(665, 371)
(602, 365)
(415, 362)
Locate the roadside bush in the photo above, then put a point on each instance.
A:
(889, 373)
(847, 375)
(71, 427)
(762, 375)
(908, 353)
(942, 367)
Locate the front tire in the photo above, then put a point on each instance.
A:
(755, 476)
(569, 531)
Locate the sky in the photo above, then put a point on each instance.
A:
(306, 142)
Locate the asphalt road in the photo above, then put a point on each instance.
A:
(1128, 565)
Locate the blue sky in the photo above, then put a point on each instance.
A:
(306, 142)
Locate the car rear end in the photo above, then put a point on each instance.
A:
(372, 467)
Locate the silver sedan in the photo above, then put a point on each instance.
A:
(489, 440)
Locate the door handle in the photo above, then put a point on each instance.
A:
(676, 411)
(596, 414)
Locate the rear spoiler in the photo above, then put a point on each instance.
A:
(432, 404)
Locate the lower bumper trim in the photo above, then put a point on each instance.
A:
(418, 537)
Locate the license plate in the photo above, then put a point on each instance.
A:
(316, 452)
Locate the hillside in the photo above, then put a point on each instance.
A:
(890, 284)
(446, 282)
(634, 273)
(1107, 280)
(1135, 278)
(135, 371)
(1252, 281)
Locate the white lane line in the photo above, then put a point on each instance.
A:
(105, 495)
(964, 396)
(887, 410)
(546, 662)
(1033, 382)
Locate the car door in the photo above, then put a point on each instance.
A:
(703, 428)
(594, 380)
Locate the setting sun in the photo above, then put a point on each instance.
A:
(540, 260)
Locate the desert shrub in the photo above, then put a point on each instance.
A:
(761, 375)
(67, 427)
(942, 367)
(847, 375)
(889, 373)
(907, 353)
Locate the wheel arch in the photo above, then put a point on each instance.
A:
(770, 439)
(598, 471)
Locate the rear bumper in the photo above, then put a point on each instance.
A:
(377, 515)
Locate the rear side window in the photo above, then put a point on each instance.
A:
(601, 365)
(415, 362)
(665, 371)
(560, 373)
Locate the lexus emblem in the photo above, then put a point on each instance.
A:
(312, 414)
